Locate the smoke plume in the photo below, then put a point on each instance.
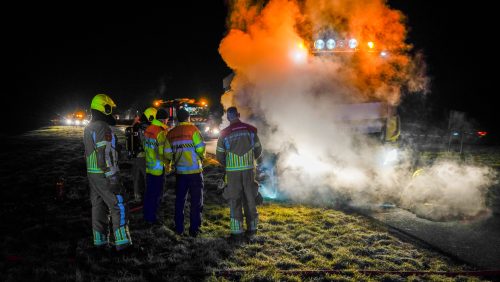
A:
(297, 100)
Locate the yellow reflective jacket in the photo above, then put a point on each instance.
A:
(154, 141)
(185, 149)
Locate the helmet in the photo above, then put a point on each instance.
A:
(150, 113)
(103, 104)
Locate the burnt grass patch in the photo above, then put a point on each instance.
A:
(49, 239)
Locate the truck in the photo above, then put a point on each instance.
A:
(375, 117)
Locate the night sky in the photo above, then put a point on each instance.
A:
(63, 55)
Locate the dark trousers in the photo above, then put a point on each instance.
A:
(139, 176)
(192, 184)
(152, 197)
(108, 199)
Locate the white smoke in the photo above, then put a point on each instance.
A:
(294, 99)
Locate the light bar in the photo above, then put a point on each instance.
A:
(330, 44)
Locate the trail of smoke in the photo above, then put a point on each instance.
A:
(296, 100)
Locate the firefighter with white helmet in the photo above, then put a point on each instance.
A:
(106, 191)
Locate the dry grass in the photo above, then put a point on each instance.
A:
(47, 240)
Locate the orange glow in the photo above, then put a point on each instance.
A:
(157, 103)
(266, 42)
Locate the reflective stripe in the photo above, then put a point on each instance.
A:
(92, 164)
(121, 236)
(109, 173)
(99, 238)
(239, 168)
(235, 162)
(202, 144)
(122, 209)
(219, 149)
(181, 142)
(101, 144)
(236, 226)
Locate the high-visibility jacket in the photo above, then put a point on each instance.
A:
(185, 149)
(100, 148)
(238, 147)
(154, 141)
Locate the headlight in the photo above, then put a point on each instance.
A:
(85, 122)
(207, 129)
(319, 44)
(69, 122)
(77, 122)
(353, 43)
(216, 131)
(330, 44)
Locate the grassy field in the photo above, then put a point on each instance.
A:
(48, 240)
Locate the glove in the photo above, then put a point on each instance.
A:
(115, 183)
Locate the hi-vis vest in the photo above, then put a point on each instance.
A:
(238, 147)
(100, 148)
(154, 140)
(185, 148)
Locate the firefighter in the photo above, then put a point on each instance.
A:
(185, 151)
(154, 141)
(106, 191)
(139, 162)
(238, 147)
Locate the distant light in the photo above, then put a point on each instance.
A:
(216, 131)
(353, 43)
(207, 129)
(319, 44)
(383, 54)
(77, 122)
(371, 45)
(455, 134)
(69, 122)
(330, 44)
(482, 133)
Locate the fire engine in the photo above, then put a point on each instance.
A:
(199, 113)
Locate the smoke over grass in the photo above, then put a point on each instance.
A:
(297, 101)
